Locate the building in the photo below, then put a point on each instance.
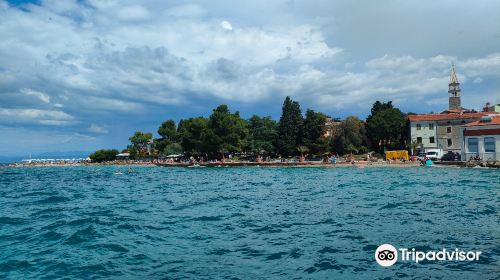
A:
(443, 131)
(481, 139)
(440, 131)
(492, 108)
(331, 127)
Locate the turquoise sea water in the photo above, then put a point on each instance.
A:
(244, 223)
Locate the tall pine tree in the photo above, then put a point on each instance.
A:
(289, 128)
(312, 134)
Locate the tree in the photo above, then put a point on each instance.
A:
(289, 128)
(379, 107)
(313, 132)
(386, 126)
(191, 133)
(168, 131)
(226, 132)
(262, 134)
(103, 155)
(140, 142)
(169, 135)
(172, 149)
(302, 150)
(350, 137)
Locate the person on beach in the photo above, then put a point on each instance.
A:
(334, 159)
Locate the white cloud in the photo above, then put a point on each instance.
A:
(34, 116)
(38, 94)
(94, 128)
(226, 25)
(125, 59)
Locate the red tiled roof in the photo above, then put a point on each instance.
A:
(443, 117)
(495, 120)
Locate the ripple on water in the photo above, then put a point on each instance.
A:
(287, 223)
(87, 234)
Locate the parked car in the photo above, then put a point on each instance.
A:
(451, 156)
(434, 154)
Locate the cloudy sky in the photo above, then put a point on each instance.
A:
(82, 75)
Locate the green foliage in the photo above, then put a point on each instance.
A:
(350, 137)
(262, 134)
(134, 153)
(104, 155)
(386, 125)
(192, 133)
(313, 131)
(289, 128)
(172, 149)
(302, 149)
(226, 132)
(379, 107)
(168, 131)
(140, 143)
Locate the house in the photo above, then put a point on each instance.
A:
(492, 108)
(440, 131)
(331, 127)
(481, 138)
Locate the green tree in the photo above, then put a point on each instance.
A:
(350, 137)
(289, 128)
(379, 107)
(263, 132)
(168, 131)
(192, 132)
(226, 132)
(302, 150)
(103, 155)
(313, 132)
(169, 135)
(140, 142)
(386, 126)
(172, 149)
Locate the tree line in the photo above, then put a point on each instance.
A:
(225, 132)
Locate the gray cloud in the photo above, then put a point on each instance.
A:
(97, 66)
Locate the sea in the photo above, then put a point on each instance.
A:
(120, 222)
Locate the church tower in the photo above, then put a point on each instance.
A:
(454, 91)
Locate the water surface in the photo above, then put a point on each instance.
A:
(244, 223)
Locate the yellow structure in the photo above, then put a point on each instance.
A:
(396, 155)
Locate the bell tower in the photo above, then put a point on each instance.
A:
(454, 91)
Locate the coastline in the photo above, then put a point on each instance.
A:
(309, 164)
(357, 164)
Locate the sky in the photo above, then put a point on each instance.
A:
(84, 75)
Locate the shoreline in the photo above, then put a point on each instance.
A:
(357, 164)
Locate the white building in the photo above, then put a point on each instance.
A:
(423, 131)
(481, 139)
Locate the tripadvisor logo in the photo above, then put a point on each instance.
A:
(387, 255)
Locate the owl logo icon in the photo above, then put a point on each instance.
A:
(386, 255)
